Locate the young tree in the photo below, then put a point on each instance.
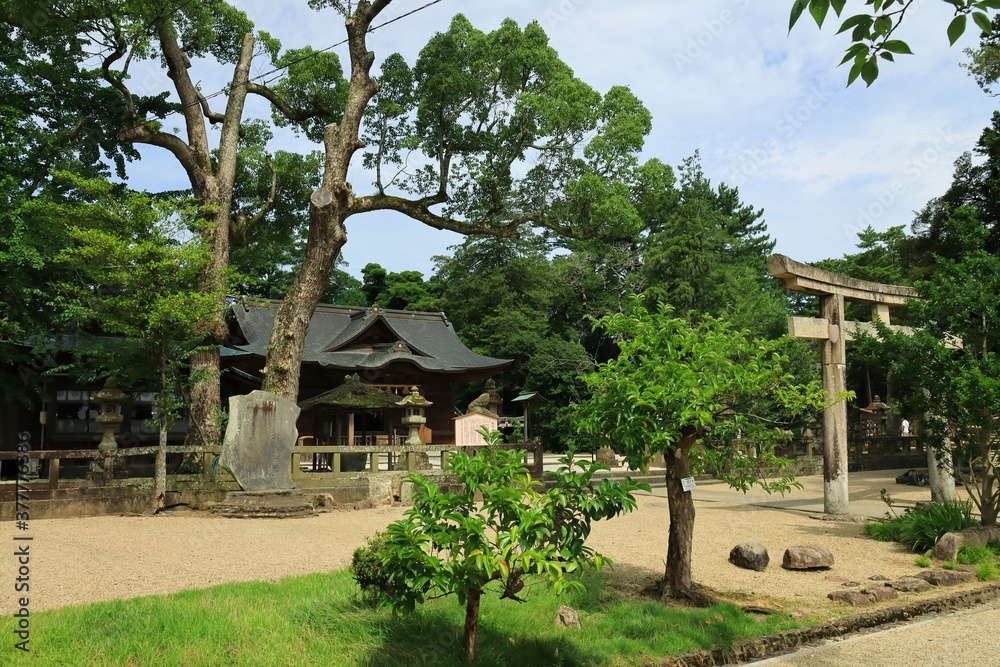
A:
(701, 394)
(134, 300)
(450, 544)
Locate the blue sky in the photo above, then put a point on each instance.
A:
(768, 110)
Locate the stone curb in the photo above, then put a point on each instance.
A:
(769, 645)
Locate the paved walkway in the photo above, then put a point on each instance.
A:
(964, 638)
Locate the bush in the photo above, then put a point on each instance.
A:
(950, 565)
(975, 555)
(986, 572)
(922, 561)
(371, 575)
(920, 528)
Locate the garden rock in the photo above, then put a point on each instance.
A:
(749, 556)
(807, 557)
(910, 585)
(914, 478)
(978, 536)
(567, 617)
(853, 598)
(947, 577)
(880, 593)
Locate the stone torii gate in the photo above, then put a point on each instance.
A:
(833, 290)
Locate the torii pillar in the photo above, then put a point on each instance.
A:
(831, 327)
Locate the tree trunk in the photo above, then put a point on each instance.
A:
(677, 580)
(330, 205)
(160, 487)
(472, 622)
(677, 577)
(205, 402)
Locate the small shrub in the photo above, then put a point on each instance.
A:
(986, 572)
(975, 555)
(923, 526)
(371, 575)
(885, 531)
(922, 561)
(950, 565)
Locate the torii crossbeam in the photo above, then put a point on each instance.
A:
(833, 290)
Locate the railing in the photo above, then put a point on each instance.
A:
(313, 465)
(107, 462)
(886, 452)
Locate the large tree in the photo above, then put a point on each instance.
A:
(703, 394)
(105, 42)
(949, 371)
(504, 137)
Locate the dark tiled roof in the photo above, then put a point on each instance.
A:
(426, 340)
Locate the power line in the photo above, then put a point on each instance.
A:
(313, 54)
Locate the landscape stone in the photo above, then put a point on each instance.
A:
(749, 556)
(947, 577)
(880, 593)
(910, 585)
(259, 439)
(878, 577)
(567, 617)
(978, 536)
(807, 557)
(853, 598)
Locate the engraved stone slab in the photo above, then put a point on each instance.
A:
(259, 439)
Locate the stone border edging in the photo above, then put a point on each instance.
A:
(769, 645)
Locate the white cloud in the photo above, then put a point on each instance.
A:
(767, 108)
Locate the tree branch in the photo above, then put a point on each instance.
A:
(289, 112)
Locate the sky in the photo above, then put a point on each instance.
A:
(767, 110)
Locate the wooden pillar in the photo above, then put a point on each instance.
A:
(835, 491)
(350, 429)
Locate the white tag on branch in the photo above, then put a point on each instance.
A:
(687, 483)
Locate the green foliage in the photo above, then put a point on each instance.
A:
(674, 378)
(950, 565)
(130, 301)
(969, 555)
(987, 572)
(920, 528)
(872, 32)
(885, 531)
(922, 561)
(956, 385)
(448, 544)
(314, 621)
(369, 571)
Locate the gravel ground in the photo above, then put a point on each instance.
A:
(83, 560)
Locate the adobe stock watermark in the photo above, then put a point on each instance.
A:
(751, 160)
(912, 171)
(21, 567)
(712, 29)
(562, 12)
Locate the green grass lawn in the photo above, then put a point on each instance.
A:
(317, 620)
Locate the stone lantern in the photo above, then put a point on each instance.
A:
(414, 405)
(109, 414)
(109, 405)
(874, 417)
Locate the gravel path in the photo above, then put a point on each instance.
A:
(83, 560)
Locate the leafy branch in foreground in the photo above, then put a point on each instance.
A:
(450, 544)
(872, 31)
